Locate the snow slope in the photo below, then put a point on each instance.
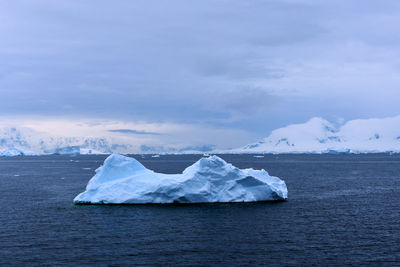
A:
(320, 136)
(124, 180)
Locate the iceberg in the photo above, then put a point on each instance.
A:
(13, 151)
(124, 180)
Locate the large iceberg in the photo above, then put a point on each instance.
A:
(124, 180)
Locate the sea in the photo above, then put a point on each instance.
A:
(341, 210)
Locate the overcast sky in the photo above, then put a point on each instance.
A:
(217, 67)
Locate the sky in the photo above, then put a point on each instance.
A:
(181, 72)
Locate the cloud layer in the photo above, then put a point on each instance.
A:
(243, 65)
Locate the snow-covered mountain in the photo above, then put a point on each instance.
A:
(315, 136)
(26, 139)
(320, 136)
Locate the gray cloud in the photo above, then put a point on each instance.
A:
(130, 131)
(225, 63)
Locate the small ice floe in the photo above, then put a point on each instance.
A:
(258, 156)
(155, 156)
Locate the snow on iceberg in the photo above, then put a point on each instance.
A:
(13, 151)
(124, 180)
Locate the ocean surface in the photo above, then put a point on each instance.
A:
(342, 210)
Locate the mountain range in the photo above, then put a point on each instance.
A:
(44, 143)
(26, 141)
(314, 136)
(321, 136)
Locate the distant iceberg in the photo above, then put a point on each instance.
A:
(124, 180)
(13, 151)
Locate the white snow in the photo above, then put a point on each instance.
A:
(320, 136)
(124, 180)
(13, 151)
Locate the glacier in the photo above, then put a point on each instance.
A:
(13, 151)
(74, 150)
(69, 150)
(124, 180)
(321, 136)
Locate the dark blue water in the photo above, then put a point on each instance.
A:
(342, 210)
